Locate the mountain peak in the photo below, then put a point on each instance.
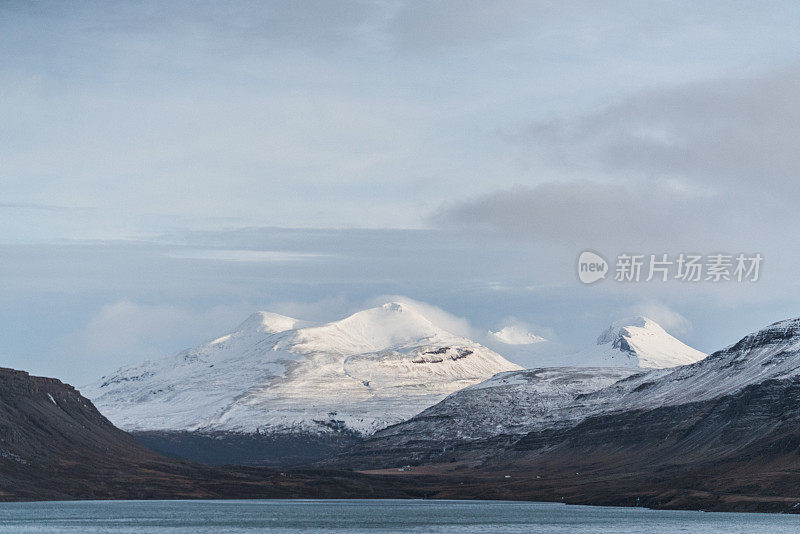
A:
(786, 329)
(391, 325)
(645, 344)
(781, 332)
(638, 342)
(619, 328)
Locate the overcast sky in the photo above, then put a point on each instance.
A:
(166, 168)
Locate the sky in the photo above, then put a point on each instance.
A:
(167, 168)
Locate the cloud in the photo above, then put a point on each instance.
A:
(669, 319)
(162, 115)
(441, 318)
(140, 331)
(33, 206)
(577, 25)
(257, 256)
(526, 326)
(734, 133)
(698, 167)
(622, 215)
(422, 26)
(314, 24)
(322, 310)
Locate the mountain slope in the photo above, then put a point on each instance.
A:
(276, 375)
(507, 403)
(54, 445)
(738, 453)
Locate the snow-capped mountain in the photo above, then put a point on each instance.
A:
(275, 374)
(636, 342)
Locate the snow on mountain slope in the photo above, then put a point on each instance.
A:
(637, 342)
(276, 374)
(508, 403)
(520, 401)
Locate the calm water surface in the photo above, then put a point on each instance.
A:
(370, 516)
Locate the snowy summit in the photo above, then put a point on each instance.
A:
(638, 342)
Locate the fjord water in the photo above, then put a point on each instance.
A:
(371, 516)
